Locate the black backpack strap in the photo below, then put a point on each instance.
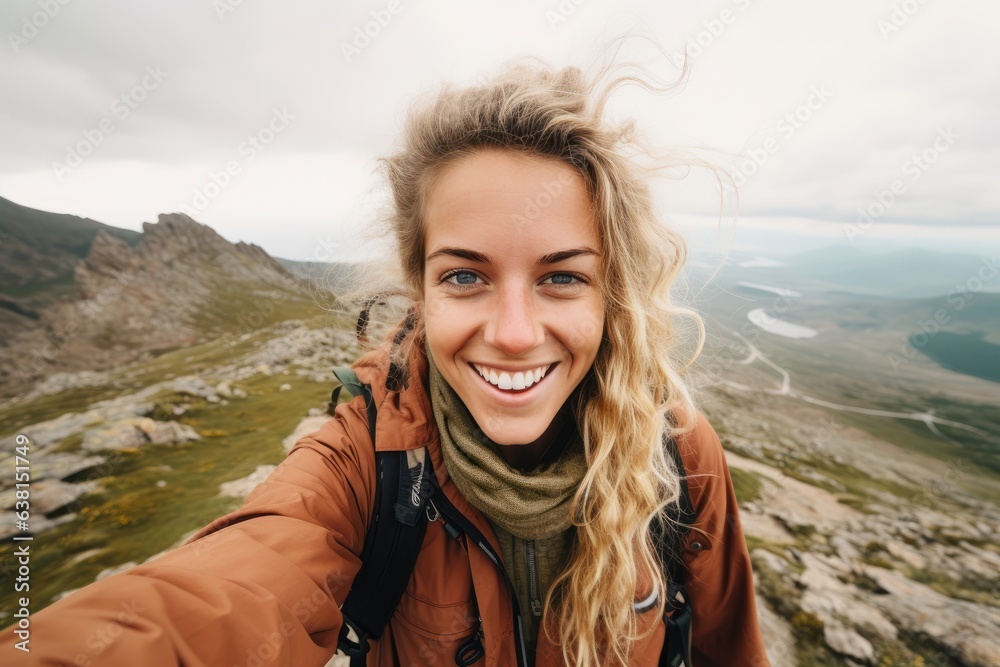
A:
(348, 378)
(393, 540)
(670, 536)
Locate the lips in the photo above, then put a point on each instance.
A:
(511, 380)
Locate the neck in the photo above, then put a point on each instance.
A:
(542, 450)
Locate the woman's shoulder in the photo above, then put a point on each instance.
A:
(698, 441)
(343, 438)
(701, 450)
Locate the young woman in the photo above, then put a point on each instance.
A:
(535, 374)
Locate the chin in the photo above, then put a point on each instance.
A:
(508, 436)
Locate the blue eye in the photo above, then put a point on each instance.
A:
(567, 280)
(464, 277)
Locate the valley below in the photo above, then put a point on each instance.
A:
(868, 487)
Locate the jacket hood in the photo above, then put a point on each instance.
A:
(400, 389)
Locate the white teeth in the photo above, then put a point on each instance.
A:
(517, 382)
(512, 381)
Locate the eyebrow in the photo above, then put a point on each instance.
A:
(483, 258)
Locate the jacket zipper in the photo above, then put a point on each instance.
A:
(529, 557)
(446, 510)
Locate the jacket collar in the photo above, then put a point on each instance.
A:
(405, 420)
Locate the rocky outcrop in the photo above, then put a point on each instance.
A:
(136, 300)
(135, 432)
(965, 631)
(854, 572)
(176, 240)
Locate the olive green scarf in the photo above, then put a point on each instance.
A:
(531, 505)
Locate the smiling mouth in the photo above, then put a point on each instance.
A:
(514, 383)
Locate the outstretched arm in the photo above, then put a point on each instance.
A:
(261, 585)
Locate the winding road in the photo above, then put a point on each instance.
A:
(785, 389)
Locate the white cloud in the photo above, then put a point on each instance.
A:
(756, 64)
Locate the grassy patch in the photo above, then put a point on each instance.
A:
(854, 501)
(923, 649)
(851, 480)
(780, 593)
(895, 654)
(191, 360)
(812, 650)
(755, 542)
(971, 587)
(747, 484)
(874, 553)
(18, 415)
(973, 451)
(63, 284)
(132, 517)
(69, 443)
(784, 598)
(236, 308)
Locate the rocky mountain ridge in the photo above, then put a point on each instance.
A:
(39, 249)
(181, 283)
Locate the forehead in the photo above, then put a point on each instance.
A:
(504, 196)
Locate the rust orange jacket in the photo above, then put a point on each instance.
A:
(263, 584)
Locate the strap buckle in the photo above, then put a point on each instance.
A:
(349, 647)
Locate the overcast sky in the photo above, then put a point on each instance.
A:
(119, 111)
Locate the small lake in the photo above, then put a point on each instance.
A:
(770, 324)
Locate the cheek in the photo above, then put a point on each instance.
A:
(444, 330)
(587, 329)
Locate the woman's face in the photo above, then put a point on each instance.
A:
(513, 310)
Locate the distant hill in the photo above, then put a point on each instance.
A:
(39, 250)
(98, 296)
(909, 273)
(959, 313)
(329, 275)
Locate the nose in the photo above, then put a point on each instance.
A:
(514, 327)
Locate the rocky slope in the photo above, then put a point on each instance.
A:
(38, 249)
(181, 283)
(864, 553)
